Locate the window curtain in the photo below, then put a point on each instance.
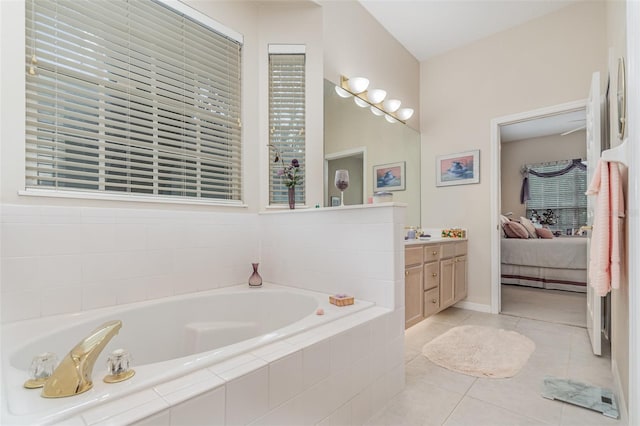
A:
(524, 191)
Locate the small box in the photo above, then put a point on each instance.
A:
(341, 300)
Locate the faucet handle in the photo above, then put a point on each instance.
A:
(118, 366)
(42, 367)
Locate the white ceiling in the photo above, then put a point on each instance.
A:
(429, 27)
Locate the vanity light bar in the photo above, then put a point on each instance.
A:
(390, 107)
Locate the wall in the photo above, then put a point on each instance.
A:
(353, 194)
(356, 45)
(547, 61)
(514, 155)
(616, 40)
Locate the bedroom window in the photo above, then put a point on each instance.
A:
(564, 195)
(132, 97)
(287, 118)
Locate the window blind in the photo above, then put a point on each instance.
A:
(286, 121)
(565, 195)
(131, 97)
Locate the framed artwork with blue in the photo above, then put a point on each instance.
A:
(389, 177)
(458, 169)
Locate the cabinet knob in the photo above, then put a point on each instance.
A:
(434, 252)
(434, 275)
(434, 300)
(406, 272)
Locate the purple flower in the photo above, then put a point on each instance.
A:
(280, 172)
(295, 162)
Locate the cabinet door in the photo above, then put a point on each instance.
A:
(412, 256)
(446, 282)
(413, 295)
(460, 278)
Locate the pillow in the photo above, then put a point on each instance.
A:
(528, 225)
(503, 220)
(515, 230)
(544, 233)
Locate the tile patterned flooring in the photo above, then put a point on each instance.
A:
(437, 396)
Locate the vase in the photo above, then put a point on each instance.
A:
(292, 197)
(255, 280)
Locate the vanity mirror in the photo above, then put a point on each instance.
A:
(359, 141)
(622, 101)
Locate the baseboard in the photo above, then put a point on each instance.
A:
(479, 307)
(622, 406)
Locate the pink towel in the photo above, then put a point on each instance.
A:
(604, 257)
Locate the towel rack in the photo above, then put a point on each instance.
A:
(619, 154)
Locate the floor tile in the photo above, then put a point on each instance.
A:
(455, 316)
(421, 372)
(474, 412)
(573, 415)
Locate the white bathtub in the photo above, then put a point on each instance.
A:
(168, 339)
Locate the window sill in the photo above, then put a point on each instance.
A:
(127, 198)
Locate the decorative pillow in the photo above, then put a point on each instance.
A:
(544, 233)
(503, 220)
(528, 225)
(515, 230)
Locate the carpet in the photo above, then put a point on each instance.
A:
(480, 351)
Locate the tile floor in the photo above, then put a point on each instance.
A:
(437, 396)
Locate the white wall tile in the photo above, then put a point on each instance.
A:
(61, 300)
(20, 240)
(163, 418)
(341, 352)
(205, 409)
(247, 397)
(285, 379)
(316, 363)
(20, 305)
(59, 270)
(361, 407)
(19, 274)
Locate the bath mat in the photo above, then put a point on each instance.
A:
(480, 351)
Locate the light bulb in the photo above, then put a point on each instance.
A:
(391, 105)
(360, 102)
(376, 111)
(358, 84)
(376, 96)
(404, 113)
(390, 119)
(342, 93)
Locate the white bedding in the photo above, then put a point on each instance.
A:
(565, 253)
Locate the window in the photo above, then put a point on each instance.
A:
(564, 195)
(132, 97)
(286, 117)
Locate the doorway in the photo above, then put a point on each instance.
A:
(353, 161)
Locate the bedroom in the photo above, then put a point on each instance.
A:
(543, 275)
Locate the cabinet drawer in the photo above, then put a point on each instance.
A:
(431, 301)
(448, 250)
(412, 256)
(461, 248)
(432, 252)
(431, 275)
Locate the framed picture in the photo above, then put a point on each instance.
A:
(458, 169)
(389, 177)
(335, 201)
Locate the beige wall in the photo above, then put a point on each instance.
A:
(544, 62)
(356, 45)
(514, 155)
(616, 40)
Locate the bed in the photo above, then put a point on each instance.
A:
(558, 263)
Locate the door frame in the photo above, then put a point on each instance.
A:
(496, 190)
(344, 154)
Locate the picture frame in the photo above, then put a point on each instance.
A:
(462, 168)
(335, 201)
(389, 177)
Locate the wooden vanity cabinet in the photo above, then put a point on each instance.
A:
(435, 278)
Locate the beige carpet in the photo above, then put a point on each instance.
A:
(480, 351)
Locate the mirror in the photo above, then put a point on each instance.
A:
(357, 140)
(622, 101)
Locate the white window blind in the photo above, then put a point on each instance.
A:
(286, 121)
(131, 97)
(564, 195)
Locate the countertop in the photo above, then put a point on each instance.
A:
(437, 239)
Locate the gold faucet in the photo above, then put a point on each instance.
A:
(73, 375)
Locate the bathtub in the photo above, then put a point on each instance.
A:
(170, 339)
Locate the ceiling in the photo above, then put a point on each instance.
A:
(427, 28)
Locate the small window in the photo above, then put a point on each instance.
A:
(286, 119)
(132, 97)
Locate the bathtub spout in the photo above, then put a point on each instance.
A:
(73, 375)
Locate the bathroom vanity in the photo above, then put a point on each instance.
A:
(435, 277)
